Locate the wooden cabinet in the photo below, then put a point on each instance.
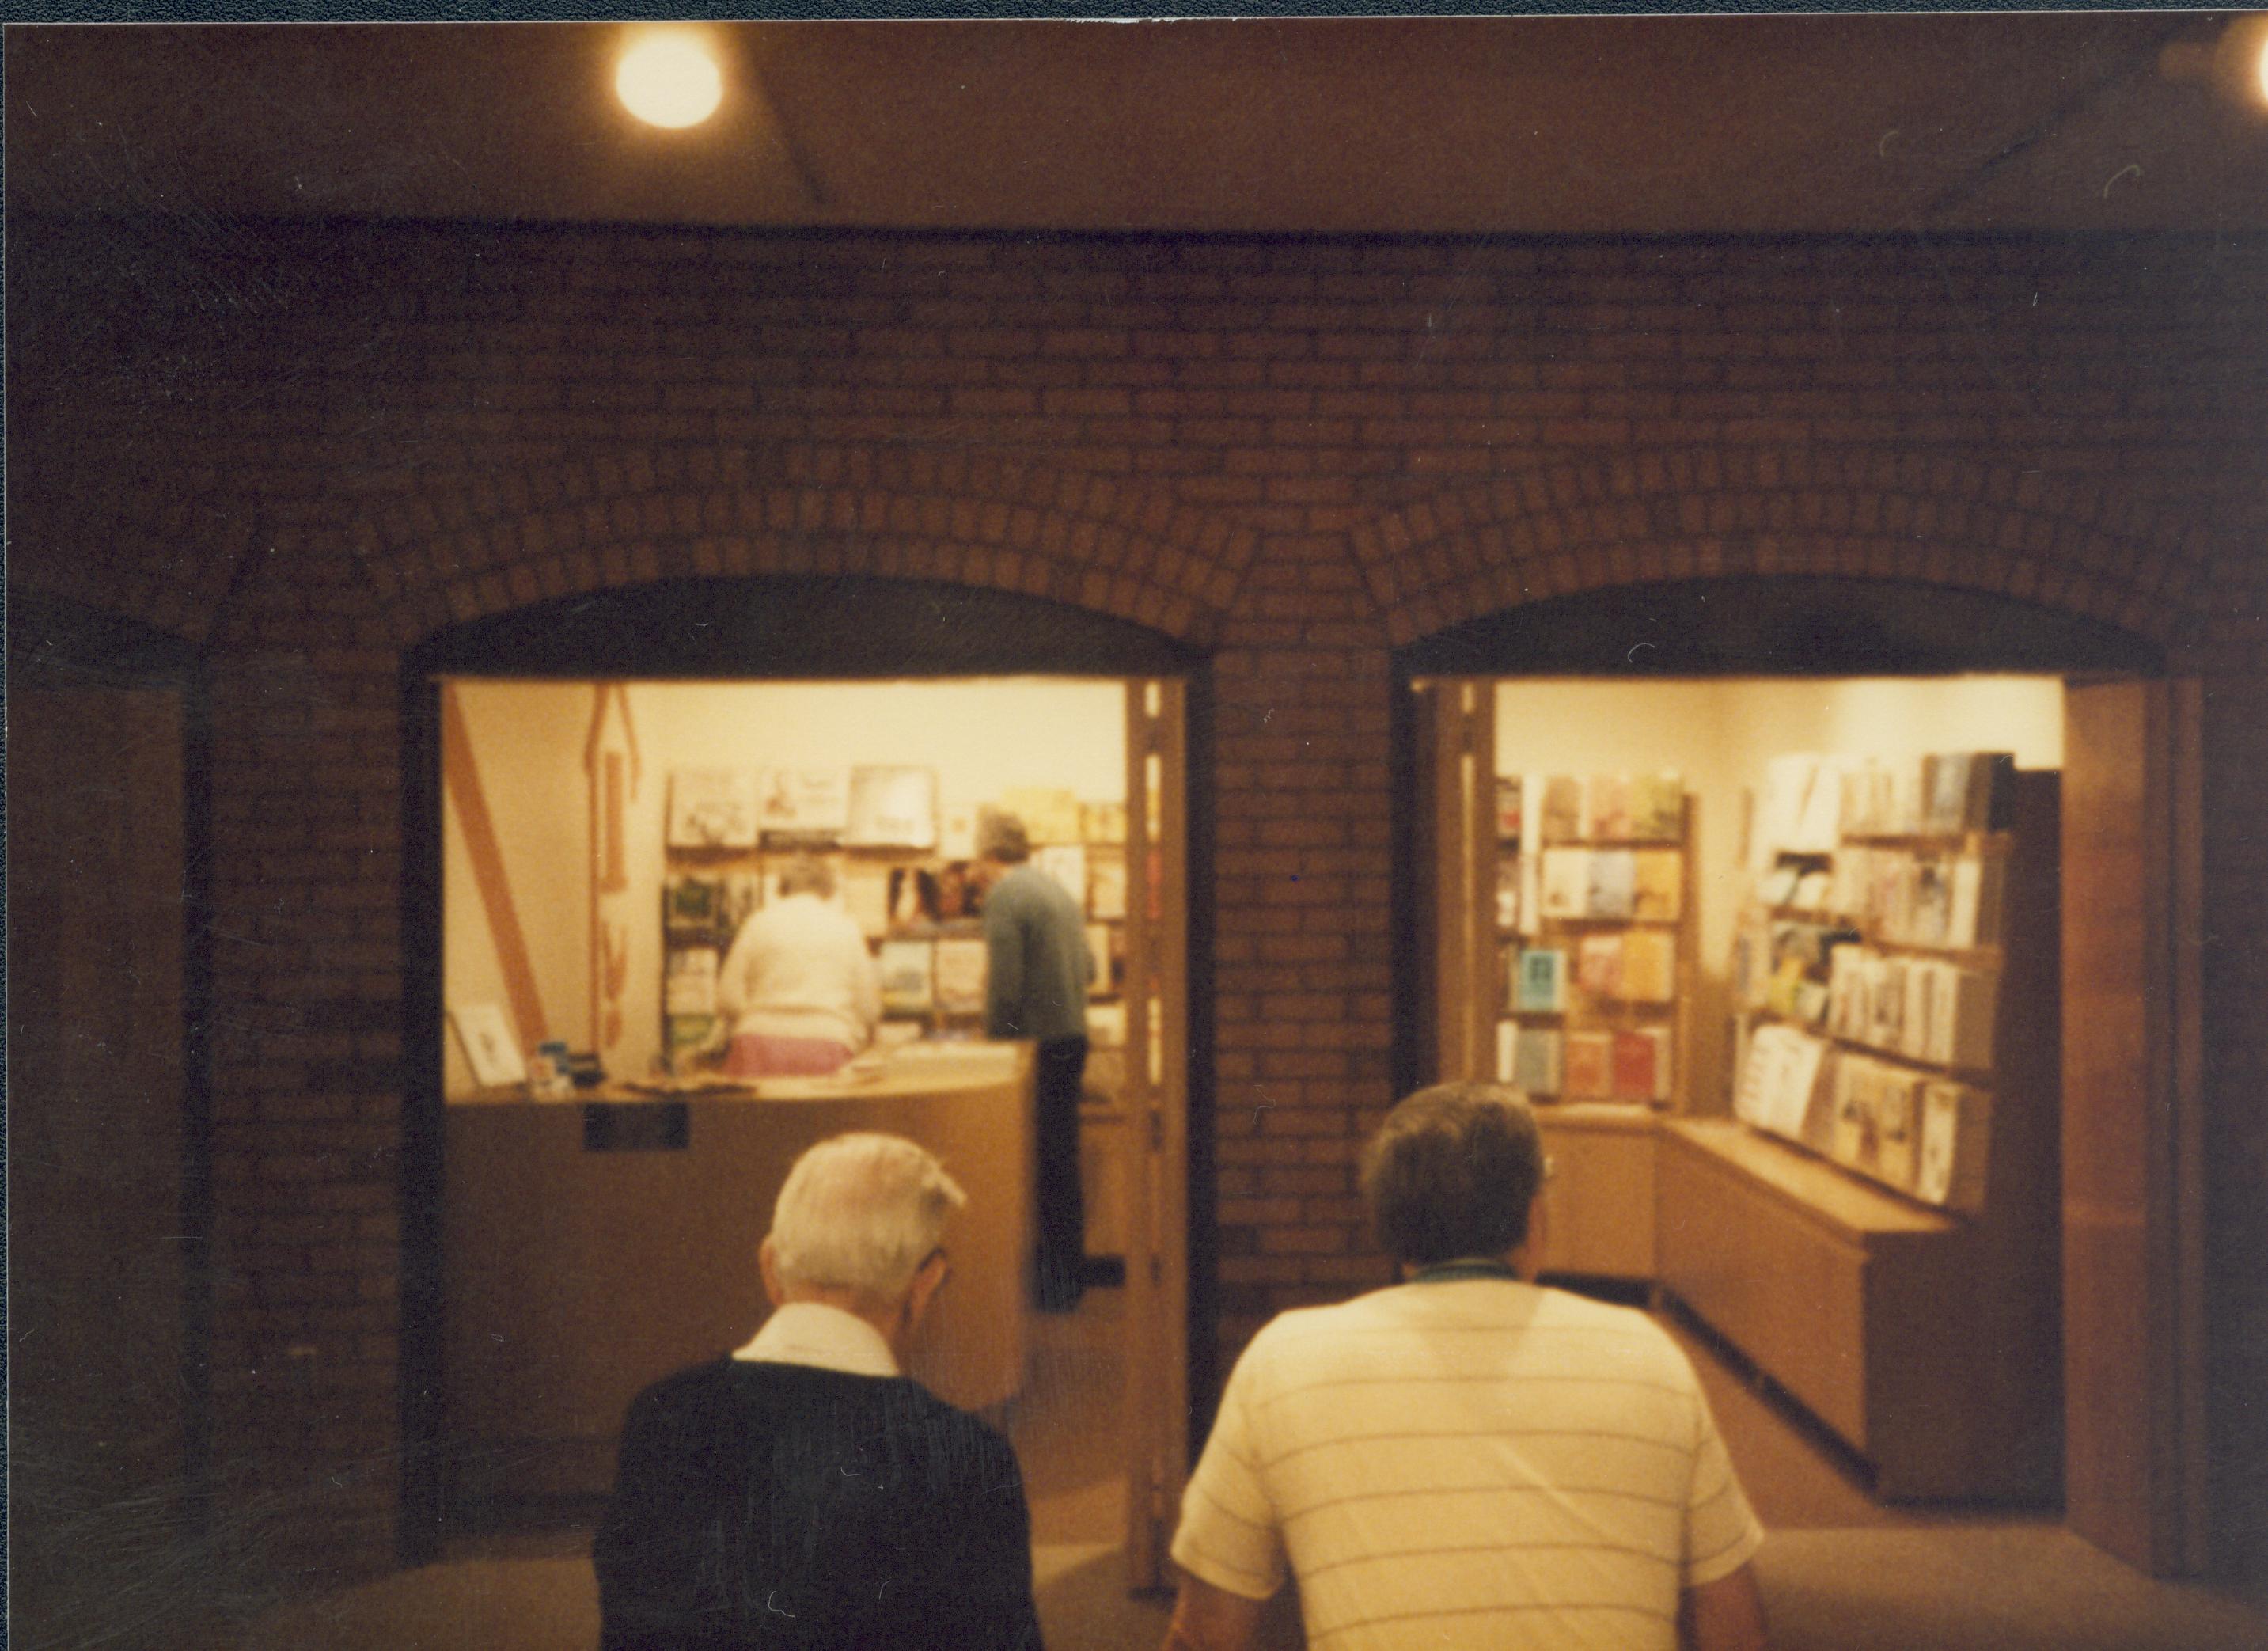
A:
(1599, 1202)
(1883, 1318)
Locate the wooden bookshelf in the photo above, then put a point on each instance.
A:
(1928, 1339)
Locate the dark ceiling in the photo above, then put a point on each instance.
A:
(1656, 125)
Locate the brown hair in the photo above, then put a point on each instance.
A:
(1451, 1172)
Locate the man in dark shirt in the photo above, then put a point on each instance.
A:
(1037, 969)
(802, 1493)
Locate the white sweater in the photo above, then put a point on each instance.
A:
(800, 968)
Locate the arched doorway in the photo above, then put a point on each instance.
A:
(845, 630)
(2130, 1204)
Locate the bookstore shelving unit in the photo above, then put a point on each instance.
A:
(916, 899)
(1877, 1230)
(1565, 919)
(1595, 932)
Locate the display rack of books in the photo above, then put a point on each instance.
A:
(1877, 1226)
(1869, 966)
(904, 868)
(1595, 934)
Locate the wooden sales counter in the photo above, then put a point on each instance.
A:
(593, 1245)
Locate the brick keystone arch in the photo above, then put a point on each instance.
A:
(467, 545)
(2063, 542)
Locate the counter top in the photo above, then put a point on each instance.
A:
(941, 1068)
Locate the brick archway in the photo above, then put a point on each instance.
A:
(470, 546)
(1652, 516)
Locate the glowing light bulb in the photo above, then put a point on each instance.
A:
(669, 80)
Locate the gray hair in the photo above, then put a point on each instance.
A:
(806, 874)
(1002, 836)
(1451, 1172)
(861, 1213)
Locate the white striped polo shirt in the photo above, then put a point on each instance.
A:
(1475, 1462)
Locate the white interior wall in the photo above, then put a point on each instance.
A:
(983, 735)
(526, 741)
(1720, 732)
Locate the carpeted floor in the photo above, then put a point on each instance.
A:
(1840, 1573)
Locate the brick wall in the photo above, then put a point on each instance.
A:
(306, 448)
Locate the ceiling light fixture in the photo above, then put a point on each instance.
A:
(669, 79)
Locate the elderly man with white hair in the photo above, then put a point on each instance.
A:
(804, 1492)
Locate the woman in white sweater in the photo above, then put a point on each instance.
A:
(799, 987)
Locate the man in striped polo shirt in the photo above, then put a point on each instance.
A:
(1466, 1459)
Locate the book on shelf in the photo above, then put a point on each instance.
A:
(1563, 809)
(1539, 980)
(958, 974)
(1968, 791)
(1507, 808)
(1613, 883)
(1800, 809)
(1929, 908)
(914, 897)
(892, 806)
(1566, 882)
(1106, 887)
(1641, 1063)
(1781, 1088)
(689, 981)
(1658, 888)
(803, 801)
(1950, 1163)
(1066, 863)
(1537, 1062)
(1100, 955)
(1776, 888)
(864, 890)
(959, 894)
(1897, 1112)
(1590, 1066)
(1507, 891)
(1606, 807)
(1812, 890)
(1973, 903)
(1656, 807)
(1961, 1016)
(688, 1033)
(711, 808)
(692, 904)
(1599, 965)
(908, 976)
(1649, 965)
(1049, 812)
